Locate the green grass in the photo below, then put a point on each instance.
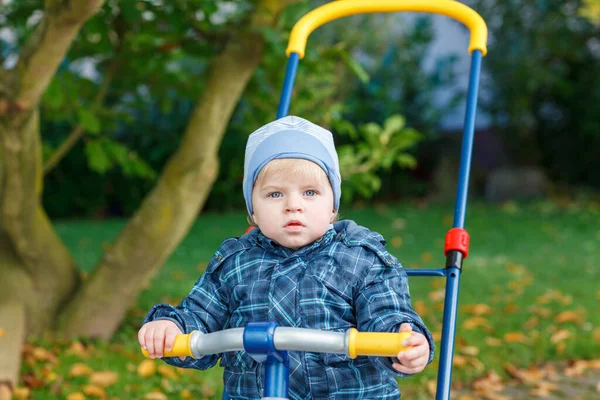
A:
(528, 264)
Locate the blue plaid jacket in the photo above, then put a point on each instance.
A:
(346, 279)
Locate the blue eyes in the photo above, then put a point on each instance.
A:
(278, 195)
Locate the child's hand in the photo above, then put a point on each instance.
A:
(158, 335)
(415, 359)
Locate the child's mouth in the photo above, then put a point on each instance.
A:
(293, 226)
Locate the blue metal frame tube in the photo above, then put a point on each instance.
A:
(425, 272)
(453, 273)
(467, 143)
(288, 85)
(448, 332)
(276, 378)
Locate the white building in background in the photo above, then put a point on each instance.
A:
(452, 38)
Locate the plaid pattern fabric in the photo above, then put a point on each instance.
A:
(344, 280)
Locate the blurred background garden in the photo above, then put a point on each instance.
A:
(123, 126)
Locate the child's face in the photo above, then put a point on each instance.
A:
(293, 206)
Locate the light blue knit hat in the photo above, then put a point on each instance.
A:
(291, 137)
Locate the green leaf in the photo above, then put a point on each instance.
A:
(394, 123)
(406, 160)
(354, 66)
(98, 159)
(88, 120)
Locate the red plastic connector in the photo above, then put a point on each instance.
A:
(457, 239)
(250, 228)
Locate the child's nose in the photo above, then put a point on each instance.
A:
(294, 204)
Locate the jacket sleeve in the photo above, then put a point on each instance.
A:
(204, 309)
(383, 303)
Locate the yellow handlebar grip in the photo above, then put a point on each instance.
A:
(338, 9)
(181, 347)
(376, 343)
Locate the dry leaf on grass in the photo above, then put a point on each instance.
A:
(437, 295)
(515, 337)
(104, 378)
(477, 309)
(560, 335)
(80, 369)
(493, 342)
(470, 350)
(146, 368)
(475, 322)
(94, 391)
(168, 371)
(21, 393)
(568, 316)
(185, 394)
(76, 396)
(155, 396)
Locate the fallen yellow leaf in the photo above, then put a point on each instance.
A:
(568, 316)
(531, 323)
(493, 342)
(515, 337)
(167, 371)
(21, 393)
(511, 308)
(432, 387)
(146, 368)
(437, 295)
(459, 361)
(478, 309)
(104, 378)
(41, 354)
(420, 307)
(77, 349)
(94, 391)
(155, 396)
(76, 396)
(475, 322)
(185, 394)
(560, 335)
(2, 332)
(470, 350)
(80, 369)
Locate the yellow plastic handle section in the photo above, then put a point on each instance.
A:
(376, 343)
(343, 8)
(181, 347)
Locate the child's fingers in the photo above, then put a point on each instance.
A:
(170, 334)
(149, 340)
(142, 337)
(409, 356)
(416, 339)
(405, 327)
(159, 341)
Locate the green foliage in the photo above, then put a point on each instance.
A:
(545, 82)
(375, 147)
(590, 10)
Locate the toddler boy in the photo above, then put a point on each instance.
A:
(299, 268)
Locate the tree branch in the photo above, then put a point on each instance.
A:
(47, 46)
(78, 130)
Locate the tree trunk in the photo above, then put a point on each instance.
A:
(36, 270)
(167, 213)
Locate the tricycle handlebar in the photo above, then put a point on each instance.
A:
(351, 343)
